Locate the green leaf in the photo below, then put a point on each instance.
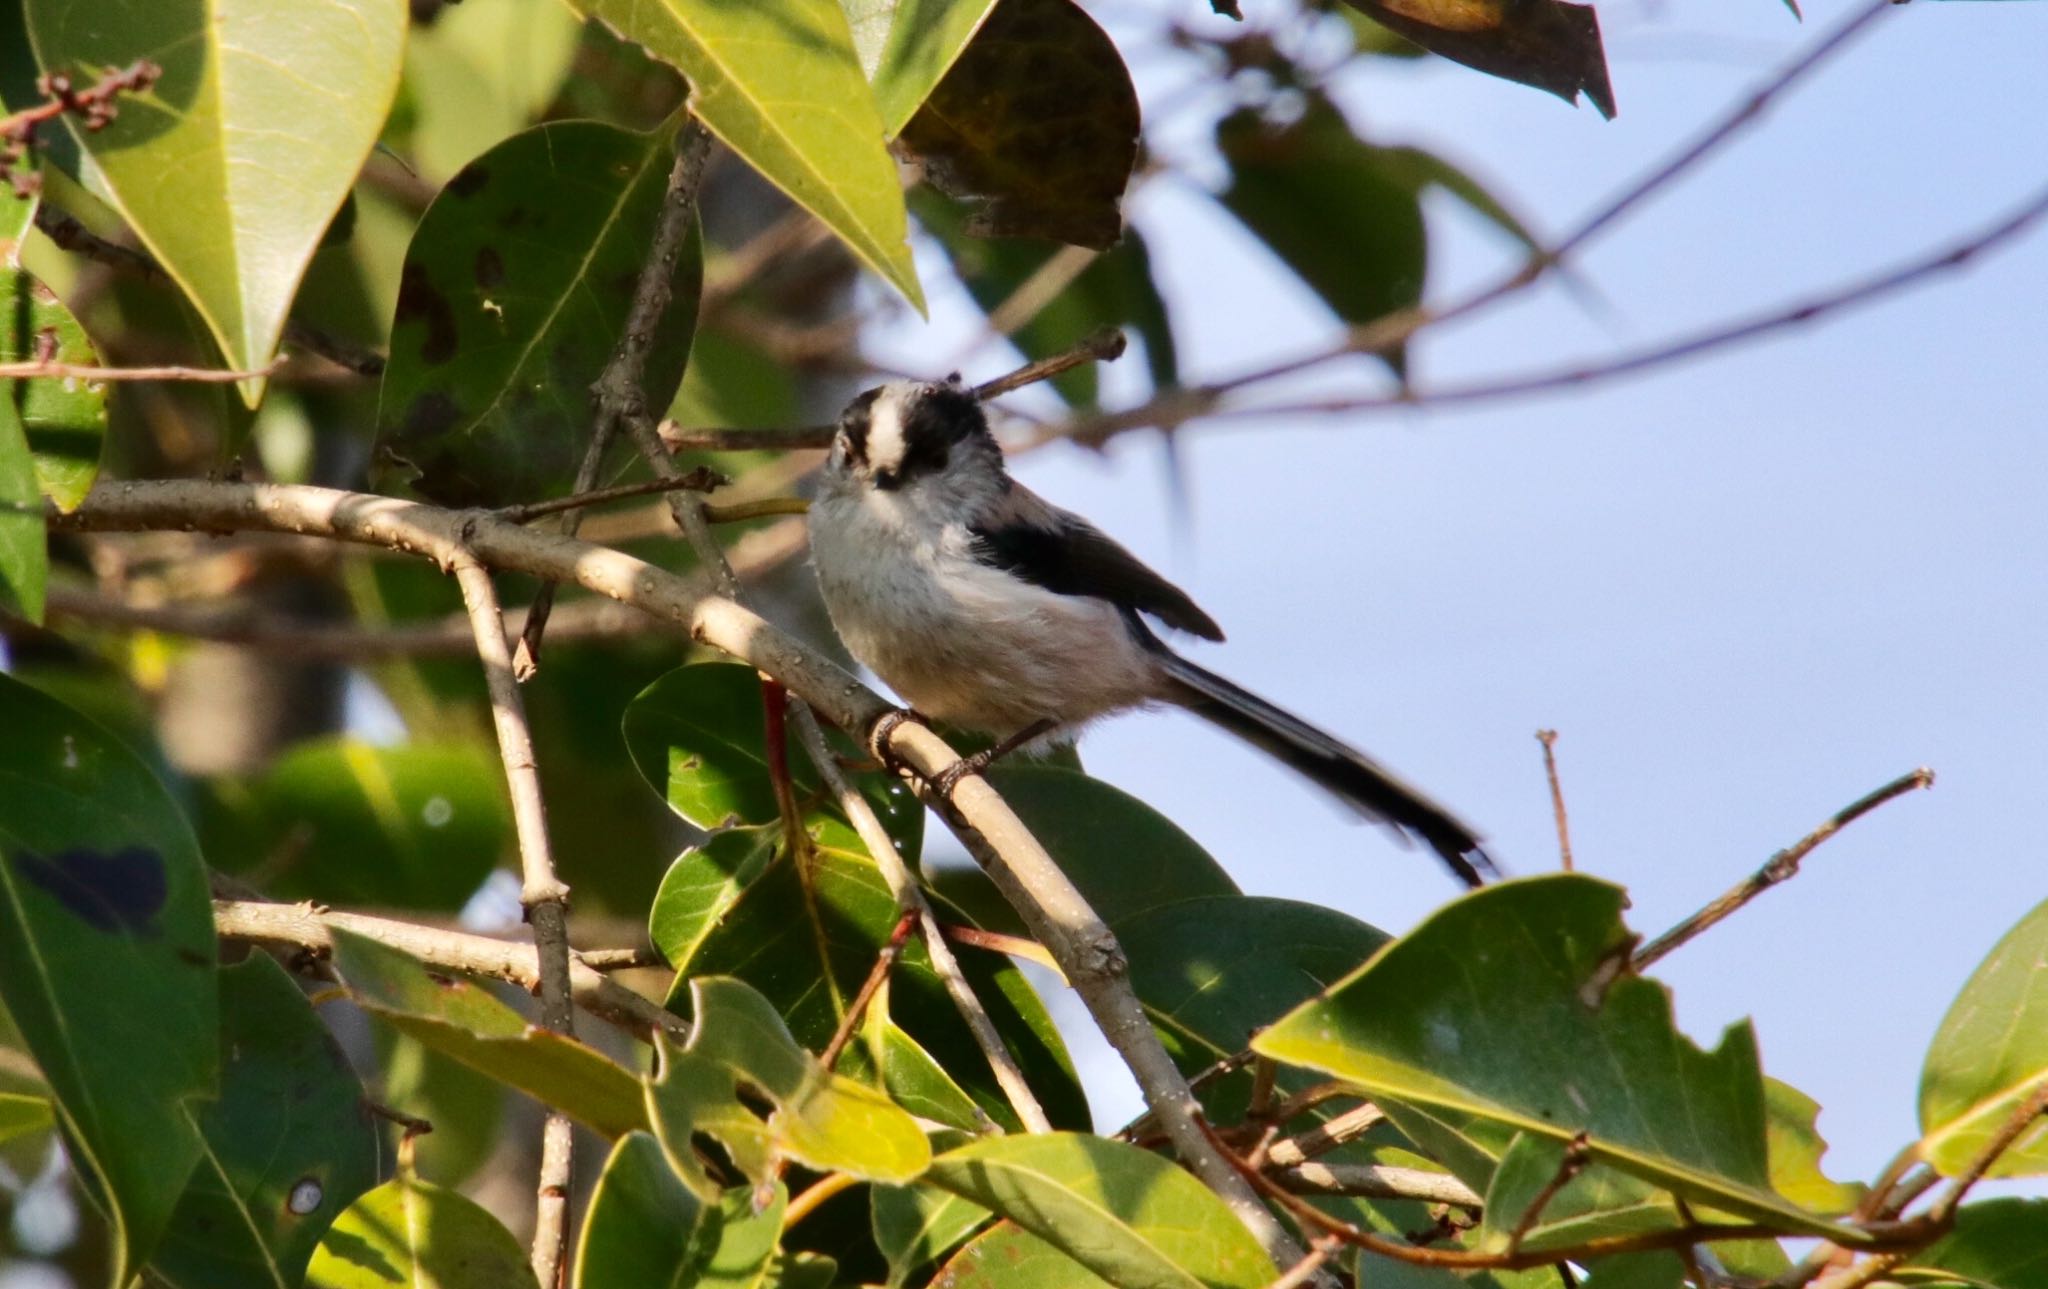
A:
(338, 820)
(24, 547)
(231, 166)
(699, 737)
(1125, 856)
(644, 1228)
(1474, 1012)
(915, 1225)
(17, 213)
(1549, 44)
(466, 1108)
(106, 951)
(65, 420)
(480, 73)
(516, 290)
(1007, 1256)
(1792, 1128)
(1116, 289)
(1996, 1244)
(421, 1236)
(1991, 1054)
(1038, 118)
(740, 1055)
(1421, 170)
(289, 1142)
(1656, 1269)
(1131, 1217)
(460, 1019)
(906, 46)
(805, 931)
(781, 85)
(22, 1114)
(1331, 207)
(746, 1239)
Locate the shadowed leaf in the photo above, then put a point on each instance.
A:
(64, 419)
(1038, 118)
(1549, 44)
(1996, 1244)
(418, 1235)
(24, 548)
(643, 1226)
(106, 951)
(906, 46)
(516, 289)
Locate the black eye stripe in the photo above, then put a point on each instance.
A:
(853, 425)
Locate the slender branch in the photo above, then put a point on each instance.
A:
(1017, 946)
(910, 897)
(1376, 1181)
(619, 391)
(94, 106)
(1055, 911)
(620, 959)
(892, 949)
(46, 369)
(1780, 867)
(1102, 346)
(1548, 738)
(1569, 1165)
(1325, 1137)
(1305, 1271)
(306, 927)
(2016, 1125)
(701, 479)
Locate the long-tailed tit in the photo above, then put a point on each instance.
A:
(989, 608)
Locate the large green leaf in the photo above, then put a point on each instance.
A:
(1996, 1244)
(1006, 1256)
(516, 290)
(1125, 856)
(343, 822)
(699, 737)
(462, 1020)
(739, 1056)
(644, 1228)
(1116, 289)
(106, 957)
(289, 1143)
(230, 168)
(1038, 118)
(479, 73)
(906, 46)
(24, 547)
(1133, 1218)
(1514, 1006)
(65, 420)
(1552, 45)
(915, 1225)
(782, 86)
(418, 1235)
(747, 1237)
(1991, 1054)
(805, 930)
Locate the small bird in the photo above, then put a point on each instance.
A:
(989, 608)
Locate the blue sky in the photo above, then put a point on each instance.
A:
(1745, 589)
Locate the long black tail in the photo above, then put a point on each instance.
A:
(1329, 761)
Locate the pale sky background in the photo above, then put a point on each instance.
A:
(1746, 590)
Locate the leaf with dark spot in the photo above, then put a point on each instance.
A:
(472, 180)
(490, 267)
(1548, 44)
(1039, 119)
(119, 892)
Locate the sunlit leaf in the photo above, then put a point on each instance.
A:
(906, 46)
(106, 952)
(1552, 45)
(418, 1235)
(462, 1020)
(782, 86)
(643, 1226)
(230, 168)
(22, 1114)
(1038, 118)
(1006, 1256)
(1131, 1217)
(1793, 1130)
(1474, 1012)
(1990, 1055)
(516, 291)
(290, 1143)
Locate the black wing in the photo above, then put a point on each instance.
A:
(1067, 555)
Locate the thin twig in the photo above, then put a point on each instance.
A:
(1325, 1137)
(619, 391)
(910, 897)
(892, 949)
(543, 894)
(1376, 1181)
(1569, 1165)
(1548, 738)
(1780, 867)
(620, 959)
(1017, 946)
(701, 479)
(1103, 346)
(305, 927)
(1320, 1250)
(50, 370)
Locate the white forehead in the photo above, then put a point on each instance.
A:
(885, 444)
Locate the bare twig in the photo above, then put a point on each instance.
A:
(1548, 738)
(1103, 346)
(1305, 1271)
(1376, 1181)
(910, 897)
(1780, 867)
(1055, 911)
(619, 391)
(701, 479)
(94, 106)
(1569, 1165)
(543, 894)
(1017, 946)
(620, 959)
(892, 949)
(51, 370)
(303, 926)
(1324, 1137)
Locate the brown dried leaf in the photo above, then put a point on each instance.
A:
(1549, 44)
(1039, 119)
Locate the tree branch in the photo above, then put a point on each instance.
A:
(1780, 867)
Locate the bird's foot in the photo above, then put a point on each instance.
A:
(947, 779)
